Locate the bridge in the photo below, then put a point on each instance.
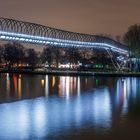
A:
(15, 30)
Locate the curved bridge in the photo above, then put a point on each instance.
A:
(34, 33)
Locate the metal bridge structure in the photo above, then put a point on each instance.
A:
(14, 30)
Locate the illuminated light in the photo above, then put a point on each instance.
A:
(19, 88)
(20, 76)
(78, 87)
(35, 41)
(97, 82)
(124, 89)
(43, 82)
(17, 38)
(121, 98)
(30, 40)
(8, 84)
(3, 37)
(51, 43)
(134, 85)
(47, 42)
(53, 81)
(15, 83)
(63, 43)
(46, 86)
(55, 43)
(7, 37)
(40, 41)
(26, 39)
(67, 87)
(64, 65)
(62, 86)
(10, 37)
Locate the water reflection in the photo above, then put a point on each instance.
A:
(78, 87)
(127, 89)
(72, 103)
(7, 84)
(102, 109)
(19, 87)
(46, 86)
(67, 86)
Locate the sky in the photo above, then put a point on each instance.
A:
(85, 16)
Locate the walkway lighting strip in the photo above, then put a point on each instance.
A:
(57, 42)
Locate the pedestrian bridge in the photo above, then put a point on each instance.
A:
(15, 30)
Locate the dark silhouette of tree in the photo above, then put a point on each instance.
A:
(31, 58)
(72, 55)
(62, 55)
(13, 53)
(76, 56)
(20, 53)
(1, 53)
(47, 56)
(132, 39)
(56, 55)
(86, 55)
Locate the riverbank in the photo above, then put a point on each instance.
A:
(74, 73)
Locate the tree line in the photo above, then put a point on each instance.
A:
(15, 54)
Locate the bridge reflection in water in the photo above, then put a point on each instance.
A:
(65, 105)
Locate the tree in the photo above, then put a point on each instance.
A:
(1, 53)
(13, 53)
(132, 39)
(57, 55)
(20, 56)
(31, 58)
(76, 56)
(47, 56)
(72, 55)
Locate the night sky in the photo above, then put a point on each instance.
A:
(86, 16)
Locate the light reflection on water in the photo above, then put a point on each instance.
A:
(65, 105)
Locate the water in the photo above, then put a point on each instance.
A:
(59, 107)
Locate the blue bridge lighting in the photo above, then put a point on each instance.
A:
(33, 33)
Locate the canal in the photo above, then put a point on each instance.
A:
(63, 107)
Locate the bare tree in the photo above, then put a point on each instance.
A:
(47, 56)
(132, 39)
(13, 53)
(31, 58)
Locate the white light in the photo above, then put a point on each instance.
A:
(78, 87)
(56, 41)
(22, 39)
(46, 86)
(2, 37)
(48, 42)
(67, 87)
(30, 40)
